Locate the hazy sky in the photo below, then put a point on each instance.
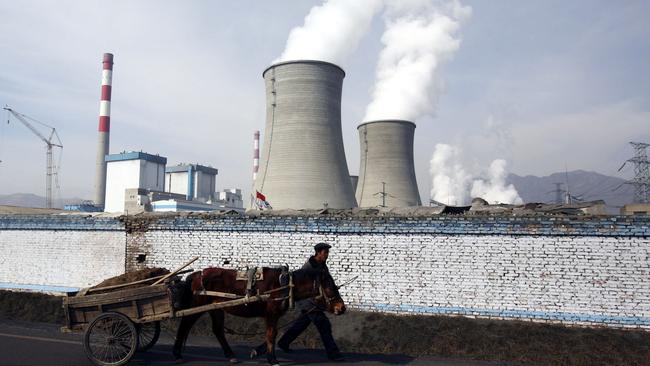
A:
(542, 84)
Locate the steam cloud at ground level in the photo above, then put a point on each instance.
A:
(454, 184)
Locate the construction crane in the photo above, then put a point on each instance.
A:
(50, 169)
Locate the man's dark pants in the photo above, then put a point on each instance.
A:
(322, 324)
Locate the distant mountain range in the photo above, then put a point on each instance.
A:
(583, 185)
(33, 200)
(586, 186)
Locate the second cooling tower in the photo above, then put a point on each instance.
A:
(303, 161)
(387, 171)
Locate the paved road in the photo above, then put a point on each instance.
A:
(24, 344)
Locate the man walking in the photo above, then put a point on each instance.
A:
(313, 311)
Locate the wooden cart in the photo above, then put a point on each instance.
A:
(119, 323)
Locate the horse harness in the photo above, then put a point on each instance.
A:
(252, 275)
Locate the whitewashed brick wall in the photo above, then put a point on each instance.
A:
(567, 279)
(44, 259)
(572, 270)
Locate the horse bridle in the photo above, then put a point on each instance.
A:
(321, 294)
(328, 300)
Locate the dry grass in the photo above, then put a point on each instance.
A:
(465, 338)
(509, 341)
(33, 307)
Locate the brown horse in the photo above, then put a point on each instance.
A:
(306, 284)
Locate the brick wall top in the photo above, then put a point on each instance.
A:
(451, 225)
(60, 222)
(629, 226)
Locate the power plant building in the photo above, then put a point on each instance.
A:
(231, 198)
(196, 182)
(387, 171)
(228, 199)
(132, 171)
(303, 162)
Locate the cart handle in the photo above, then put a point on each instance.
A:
(175, 272)
(95, 289)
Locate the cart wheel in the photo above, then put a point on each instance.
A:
(111, 339)
(148, 334)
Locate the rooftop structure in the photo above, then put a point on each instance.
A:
(636, 209)
(196, 182)
(231, 198)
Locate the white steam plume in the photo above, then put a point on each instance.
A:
(450, 180)
(454, 185)
(331, 31)
(494, 189)
(419, 37)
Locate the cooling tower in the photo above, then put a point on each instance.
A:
(303, 162)
(387, 172)
(354, 180)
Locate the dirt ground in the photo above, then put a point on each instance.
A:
(452, 337)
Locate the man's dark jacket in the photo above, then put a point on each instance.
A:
(311, 303)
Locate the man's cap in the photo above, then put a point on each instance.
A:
(321, 246)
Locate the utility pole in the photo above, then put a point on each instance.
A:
(383, 194)
(641, 180)
(567, 196)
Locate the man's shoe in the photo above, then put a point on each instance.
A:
(338, 357)
(285, 348)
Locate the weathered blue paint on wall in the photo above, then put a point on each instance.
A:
(611, 226)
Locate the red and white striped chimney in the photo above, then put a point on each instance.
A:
(256, 154)
(104, 129)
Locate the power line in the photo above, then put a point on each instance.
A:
(558, 192)
(607, 190)
(385, 194)
(603, 186)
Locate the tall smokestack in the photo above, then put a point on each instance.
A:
(387, 171)
(256, 154)
(104, 129)
(303, 162)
